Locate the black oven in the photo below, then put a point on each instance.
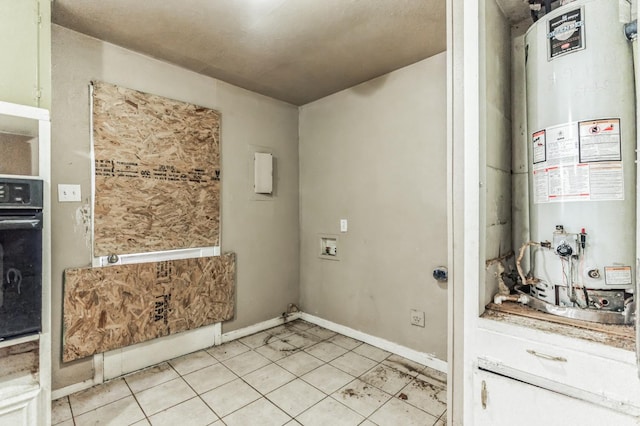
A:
(20, 257)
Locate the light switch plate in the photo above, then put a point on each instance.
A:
(68, 193)
(343, 225)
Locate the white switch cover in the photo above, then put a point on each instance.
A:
(343, 225)
(69, 193)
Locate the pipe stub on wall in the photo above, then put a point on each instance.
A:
(441, 274)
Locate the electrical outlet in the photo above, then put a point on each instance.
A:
(417, 318)
(69, 193)
(343, 225)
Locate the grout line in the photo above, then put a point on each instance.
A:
(73, 417)
(301, 349)
(274, 338)
(70, 410)
(198, 395)
(101, 406)
(136, 399)
(313, 405)
(439, 418)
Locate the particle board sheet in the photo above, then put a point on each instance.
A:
(157, 172)
(19, 359)
(618, 336)
(116, 306)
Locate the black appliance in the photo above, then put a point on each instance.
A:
(20, 257)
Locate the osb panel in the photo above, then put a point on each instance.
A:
(116, 306)
(618, 336)
(157, 172)
(20, 358)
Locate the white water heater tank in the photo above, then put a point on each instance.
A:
(581, 125)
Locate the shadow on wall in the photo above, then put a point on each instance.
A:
(368, 88)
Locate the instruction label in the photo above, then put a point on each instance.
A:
(561, 145)
(566, 33)
(617, 275)
(539, 147)
(600, 141)
(560, 173)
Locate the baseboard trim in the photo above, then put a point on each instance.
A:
(256, 328)
(417, 356)
(219, 338)
(113, 366)
(68, 390)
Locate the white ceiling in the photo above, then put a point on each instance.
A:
(293, 50)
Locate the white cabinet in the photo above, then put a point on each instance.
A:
(502, 401)
(25, 361)
(19, 405)
(19, 44)
(596, 372)
(25, 43)
(502, 373)
(534, 377)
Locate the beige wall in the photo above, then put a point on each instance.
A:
(264, 234)
(495, 145)
(375, 154)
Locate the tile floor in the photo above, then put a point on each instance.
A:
(294, 374)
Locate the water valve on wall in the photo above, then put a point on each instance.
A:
(441, 274)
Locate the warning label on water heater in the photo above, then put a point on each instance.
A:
(566, 33)
(600, 141)
(577, 162)
(617, 275)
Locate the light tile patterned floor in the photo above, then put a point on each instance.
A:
(294, 374)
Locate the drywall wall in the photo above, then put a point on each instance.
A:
(375, 154)
(262, 232)
(519, 155)
(495, 148)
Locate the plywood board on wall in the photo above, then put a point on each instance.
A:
(157, 172)
(116, 306)
(20, 358)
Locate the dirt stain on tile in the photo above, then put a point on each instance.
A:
(405, 365)
(431, 389)
(350, 393)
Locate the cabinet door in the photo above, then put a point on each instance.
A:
(508, 402)
(20, 409)
(19, 23)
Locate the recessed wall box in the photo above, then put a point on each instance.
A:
(262, 173)
(329, 247)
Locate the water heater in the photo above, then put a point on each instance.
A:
(580, 102)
